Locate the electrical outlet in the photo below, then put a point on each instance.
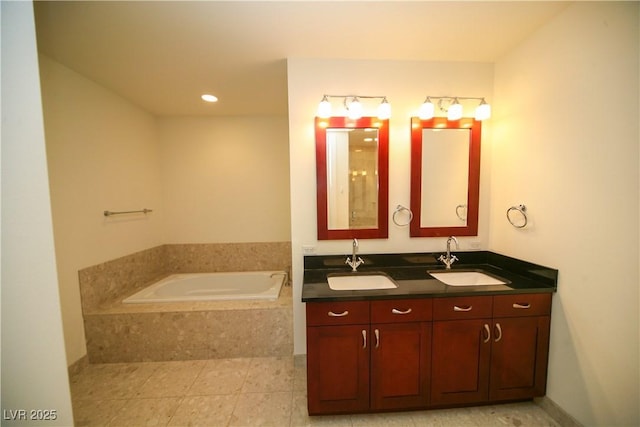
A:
(474, 244)
(308, 249)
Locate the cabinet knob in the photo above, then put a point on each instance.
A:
(396, 311)
(466, 308)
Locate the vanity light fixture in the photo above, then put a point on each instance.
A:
(452, 107)
(354, 106)
(384, 109)
(455, 110)
(427, 109)
(324, 109)
(483, 111)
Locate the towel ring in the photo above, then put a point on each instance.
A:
(523, 213)
(401, 208)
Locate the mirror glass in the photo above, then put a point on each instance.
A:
(445, 175)
(444, 205)
(352, 177)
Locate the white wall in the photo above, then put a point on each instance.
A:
(225, 179)
(208, 180)
(577, 174)
(34, 370)
(405, 83)
(566, 145)
(103, 155)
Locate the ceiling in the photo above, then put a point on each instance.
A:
(163, 55)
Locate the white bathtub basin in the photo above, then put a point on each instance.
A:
(360, 281)
(221, 286)
(467, 278)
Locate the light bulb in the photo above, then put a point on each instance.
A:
(426, 110)
(209, 98)
(324, 108)
(455, 111)
(483, 111)
(354, 109)
(384, 109)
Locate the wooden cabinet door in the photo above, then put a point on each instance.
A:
(338, 369)
(400, 361)
(519, 357)
(460, 361)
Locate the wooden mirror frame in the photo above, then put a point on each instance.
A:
(321, 125)
(473, 195)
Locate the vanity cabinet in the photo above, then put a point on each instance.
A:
(489, 348)
(364, 356)
(520, 346)
(338, 341)
(461, 350)
(400, 353)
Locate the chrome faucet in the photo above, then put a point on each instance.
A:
(449, 259)
(352, 261)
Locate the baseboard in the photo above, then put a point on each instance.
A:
(556, 412)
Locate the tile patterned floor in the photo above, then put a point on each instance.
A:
(245, 393)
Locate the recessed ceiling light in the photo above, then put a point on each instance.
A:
(209, 98)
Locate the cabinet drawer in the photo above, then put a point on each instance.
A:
(462, 308)
(522, 305)
(337, 313)
(401, 310)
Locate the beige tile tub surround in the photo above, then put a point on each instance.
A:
(104, 283)
(117, 332)
(196, 258)
(190, 331)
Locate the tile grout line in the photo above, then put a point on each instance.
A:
(185, 394)
(130, 397)
(239, 392)
(126, 373)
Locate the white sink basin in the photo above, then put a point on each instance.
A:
(467, 278)
(360, 281)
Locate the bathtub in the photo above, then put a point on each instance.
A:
(248, 285)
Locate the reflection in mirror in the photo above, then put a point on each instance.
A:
(443, 205)
(445, 176)
(352, 174)
(352, 178)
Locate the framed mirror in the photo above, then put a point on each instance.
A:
(445, 177)
(352, 171)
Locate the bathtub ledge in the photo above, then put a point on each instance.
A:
(118, 307)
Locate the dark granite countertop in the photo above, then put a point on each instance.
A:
(409, 271)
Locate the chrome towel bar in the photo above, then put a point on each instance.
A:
(144, 211)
